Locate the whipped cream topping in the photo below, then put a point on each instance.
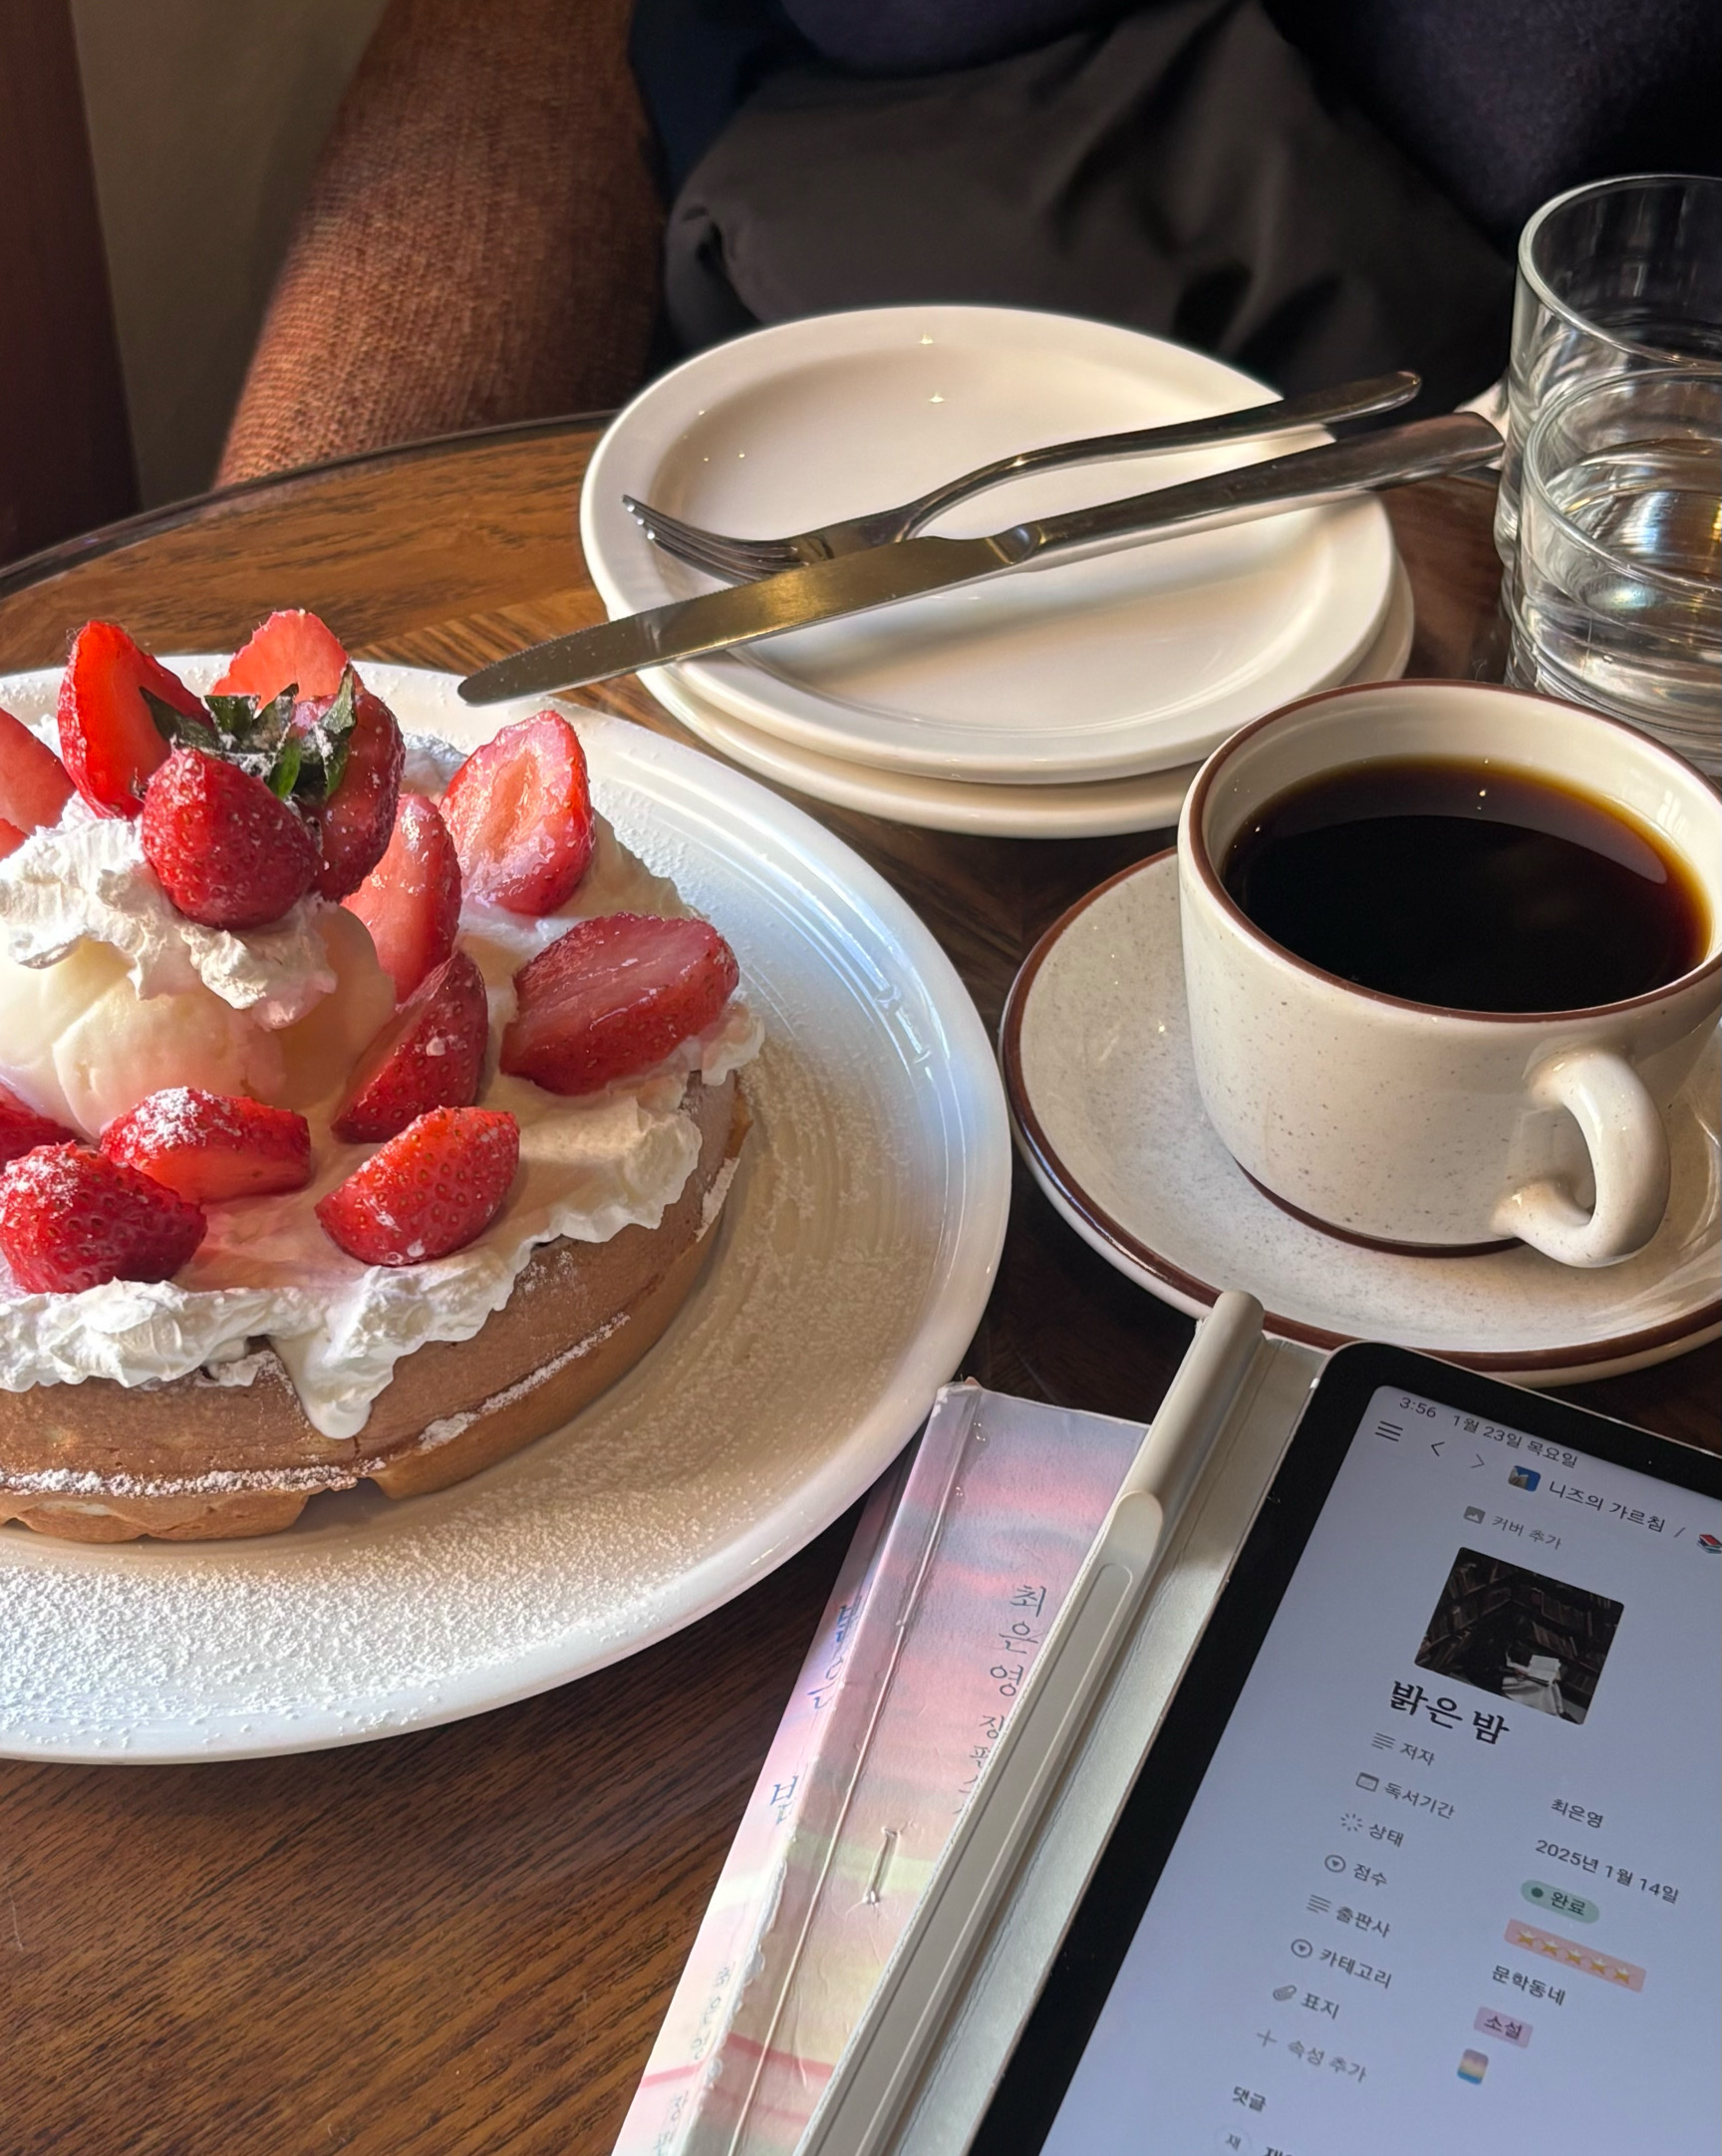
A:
(589, 1167)
(85, 878)
(428, 765)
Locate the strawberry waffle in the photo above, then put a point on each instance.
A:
(365, 1110)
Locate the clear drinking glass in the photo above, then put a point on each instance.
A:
(1621, 275)
(1616, 602)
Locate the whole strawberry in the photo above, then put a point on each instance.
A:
(71, 1219)
(356, 821)
(226, 849)
(436, 1186)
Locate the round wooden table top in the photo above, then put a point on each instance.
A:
(463, 1939)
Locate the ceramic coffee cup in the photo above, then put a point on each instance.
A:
(1412, 1126)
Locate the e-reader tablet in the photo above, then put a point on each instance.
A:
(1425, 1854)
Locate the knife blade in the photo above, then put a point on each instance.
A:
(909, 569)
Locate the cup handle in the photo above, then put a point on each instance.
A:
(1622, 1127)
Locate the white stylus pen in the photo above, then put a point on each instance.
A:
(926, 1975)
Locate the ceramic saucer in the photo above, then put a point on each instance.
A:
(1097, 1064)
(1084, 669)
(1147, 802)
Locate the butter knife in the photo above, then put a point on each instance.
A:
(909, 569)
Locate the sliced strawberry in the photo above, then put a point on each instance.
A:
(436, 1185)
(71, 1218)
(613, 997)
(429, 1056)
(289, 647)
(33, 787)
(22, 1129)
(11, 837)
(358, 819)
(108, 737)
(209, 1146)
(226, 851)
(520, 812)
(411, 901)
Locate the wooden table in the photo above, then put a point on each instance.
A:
(463, 1941)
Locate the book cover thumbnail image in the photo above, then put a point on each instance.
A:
(1520, 1635)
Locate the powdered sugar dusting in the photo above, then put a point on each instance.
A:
(588, 1169)
(443, 1431)
(218, 1482)
(854, 1256)
(168, 1117)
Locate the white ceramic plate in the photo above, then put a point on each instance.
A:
(1148, 803)
(1135, 660)
(1097, 1051)
(856, 1254)
(1106, 805)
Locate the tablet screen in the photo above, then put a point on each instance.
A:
(1450, 1879)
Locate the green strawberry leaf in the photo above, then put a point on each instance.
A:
(175, 729)
(306, 763)
(250, 728)
(325, 741)
(284, 773)
(232, 713)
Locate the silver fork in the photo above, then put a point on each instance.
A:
(742, 560)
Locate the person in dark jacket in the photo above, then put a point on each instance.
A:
(1310, 188)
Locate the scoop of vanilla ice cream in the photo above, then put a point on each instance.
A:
(79, 1043)
(108, 994)
(319, 1051)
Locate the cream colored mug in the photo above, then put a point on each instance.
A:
(1415, 1127)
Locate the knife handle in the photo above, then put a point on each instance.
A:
(1456, 441)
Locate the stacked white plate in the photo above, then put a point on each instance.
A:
(1066, 701)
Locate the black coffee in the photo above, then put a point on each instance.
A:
(1468, 887)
